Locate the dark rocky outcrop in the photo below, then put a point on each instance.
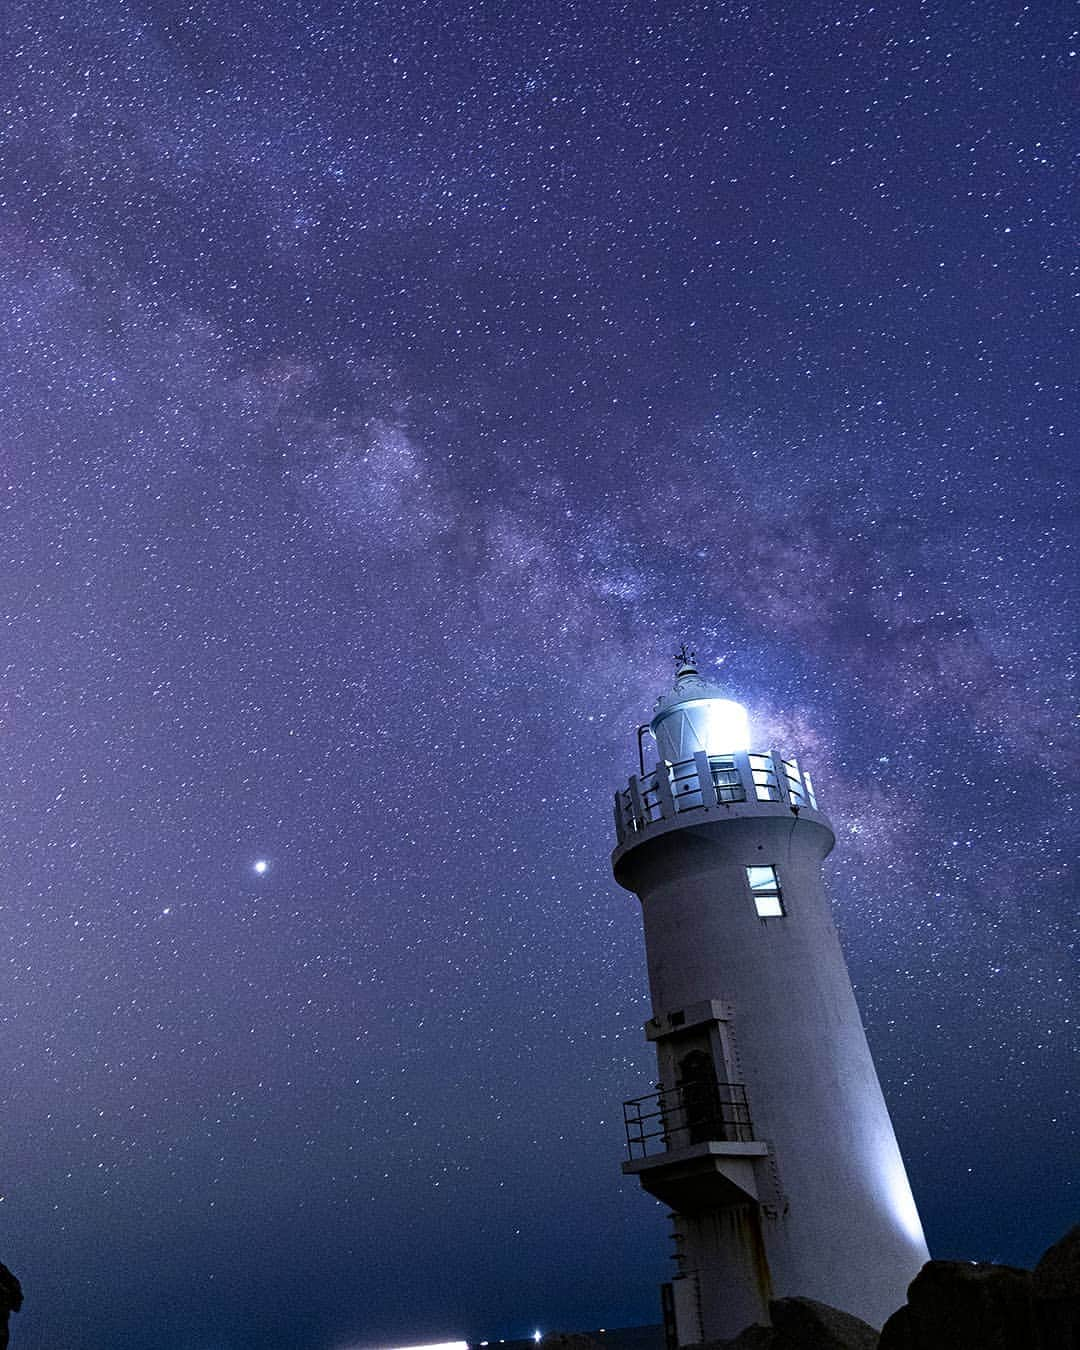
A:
(1057, 1274)
(962, 1305)
(952, 1305)
(10, 1301)
(1056, 1279)
(958, 1305)
(802, 1324)
(752, 1338)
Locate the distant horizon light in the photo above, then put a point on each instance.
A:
(435, 1345)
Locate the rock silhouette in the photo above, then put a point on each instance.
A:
(965, 1306)
(1057, 1291)
(803, 1324)
(10, 1301)
(957, 1305)
(951, 1305)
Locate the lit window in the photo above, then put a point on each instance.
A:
(765, 888)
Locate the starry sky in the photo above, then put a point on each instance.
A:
(386, 390)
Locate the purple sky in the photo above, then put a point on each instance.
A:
(385, 392)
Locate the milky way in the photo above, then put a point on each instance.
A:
(385, 392)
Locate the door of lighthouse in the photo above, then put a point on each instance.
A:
(699, 1090)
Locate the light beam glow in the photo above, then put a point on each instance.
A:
(435, 1345)
(727, 727)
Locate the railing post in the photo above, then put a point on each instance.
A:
(746, 775)
(663, 791)
(780, 771)
(705, 782)
(636, 803)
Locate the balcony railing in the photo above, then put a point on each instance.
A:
(707, 781)
(692, 1113)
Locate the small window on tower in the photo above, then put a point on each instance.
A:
(765, 888)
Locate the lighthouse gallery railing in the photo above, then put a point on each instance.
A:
(710, 780)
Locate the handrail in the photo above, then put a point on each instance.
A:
(691, 1113)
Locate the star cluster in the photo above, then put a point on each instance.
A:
(386, 391)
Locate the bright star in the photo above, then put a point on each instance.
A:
(261, 866)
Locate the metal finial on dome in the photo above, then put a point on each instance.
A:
(685, 662)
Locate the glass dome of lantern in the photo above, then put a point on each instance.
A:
(695, 716)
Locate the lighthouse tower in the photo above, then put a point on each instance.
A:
(767, 1136)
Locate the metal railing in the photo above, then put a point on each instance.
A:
(707, 781)
(692, 1113)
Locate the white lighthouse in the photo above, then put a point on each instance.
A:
(767, 1136)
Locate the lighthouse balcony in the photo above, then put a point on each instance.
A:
(693, 1147)
(707, 781)
(678, 1118)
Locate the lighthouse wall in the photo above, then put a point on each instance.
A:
(837, 1219)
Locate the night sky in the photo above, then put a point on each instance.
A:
(386, 390)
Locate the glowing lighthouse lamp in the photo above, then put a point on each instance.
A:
(767, 1136)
